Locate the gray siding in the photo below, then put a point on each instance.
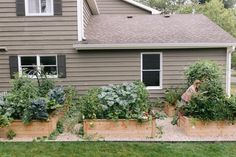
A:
(87, 13)
(35, 35)
(118, 7)
(98, 68)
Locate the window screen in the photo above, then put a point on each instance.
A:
(151, 70)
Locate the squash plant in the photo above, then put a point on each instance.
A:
(122, 101)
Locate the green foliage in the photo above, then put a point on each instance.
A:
(204, 71)
(24, 101)
(23, 92)
(57, 131)
(5, 112)
(215, 11)
(173, 95)
(206, 108)
(36, 110)
(210, 103)
(10, 134)
(123, 101)
(45, 86)
(90, 105)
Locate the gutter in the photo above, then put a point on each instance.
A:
(151, 46)
(230, 50)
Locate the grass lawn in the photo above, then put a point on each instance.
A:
(117, 149)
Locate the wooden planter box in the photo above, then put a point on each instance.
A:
(32, 130)
(169, 109)
(121, 129)
(210, 128)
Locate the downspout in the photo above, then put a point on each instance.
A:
(228, 70)
(80, 19)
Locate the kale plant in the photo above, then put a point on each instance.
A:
(36, 111)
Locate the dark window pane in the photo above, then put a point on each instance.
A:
(151, 61)
(49, 70)
(31, 60)
(29, 70)
(151, 78)
(48, 60)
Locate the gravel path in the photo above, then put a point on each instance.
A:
(170, 133)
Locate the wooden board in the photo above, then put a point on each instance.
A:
(206, 129)
(120, 128)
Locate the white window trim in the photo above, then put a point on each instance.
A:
(38, 64)
(161, 69)
(38, 14)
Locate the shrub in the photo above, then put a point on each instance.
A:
(210, 103)
(173, 95)
(205, 108)
(204, 71)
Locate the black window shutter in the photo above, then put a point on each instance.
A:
(13, 62)
(57, 7)
(61, 63)
(20, 7)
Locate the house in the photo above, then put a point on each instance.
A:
(91, 43)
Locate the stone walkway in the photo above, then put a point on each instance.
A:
(170, 133)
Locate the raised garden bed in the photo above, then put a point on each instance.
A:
(193, 127)
(169, 109)
(120, 128)
(35, 129)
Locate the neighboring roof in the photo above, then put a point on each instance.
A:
(153, 11)
(187, 29)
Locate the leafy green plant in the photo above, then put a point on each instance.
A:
(122, 101)
(24, 91)
(203, 70)
(173, 95)
(90, 105)
(10, 134)
(36, 110)
(6, 112)
(210, 103)
(45, 86)
(59, 130)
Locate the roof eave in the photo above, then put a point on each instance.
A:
(151, 46)
(93, 6)
(142, 6)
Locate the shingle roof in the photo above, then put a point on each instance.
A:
(187, 28)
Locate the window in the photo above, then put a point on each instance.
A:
(44, 64)
(39, 7)
(151, 70)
